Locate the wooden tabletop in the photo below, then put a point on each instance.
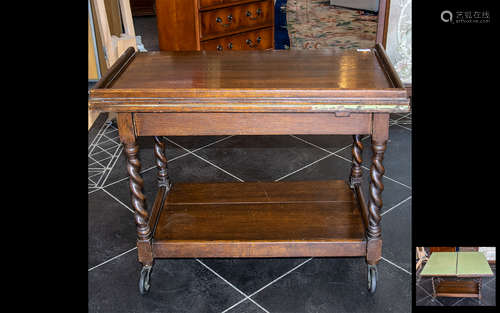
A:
(251, 81)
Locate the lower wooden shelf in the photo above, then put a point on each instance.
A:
(259, 219)
(458, 288)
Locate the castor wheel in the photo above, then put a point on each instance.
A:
(372, 278)
(144, 279)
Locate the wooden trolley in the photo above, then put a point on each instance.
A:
(255, 93)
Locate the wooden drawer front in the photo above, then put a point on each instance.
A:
(209, 3)
(201, 124)
(259, 40)
(218, 22)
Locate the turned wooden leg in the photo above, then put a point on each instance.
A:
(376, 187)
(161, 162)
(357, 160)
(380, 134)
(136, 183)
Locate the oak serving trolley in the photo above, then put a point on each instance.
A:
(255, 93)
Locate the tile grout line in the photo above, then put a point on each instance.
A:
(335, 154)
(168, 161)
(402, 117)
(486, 284)
(403, 127)
(116, 155)
(98, 135)
(429, 295)
(109, 260)
(395, 265)
(458, 302)
(366, 168)
(227, 282)
(300, 169)
(311, 144)
(190, 152)
(267, 285)
(118, 200)
(394, 206)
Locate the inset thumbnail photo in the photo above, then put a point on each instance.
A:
(455, 276)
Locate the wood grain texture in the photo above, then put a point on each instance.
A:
(177, 25)
(460, 288)
(260, 220)
(190, 124)
(261, 69)
(252, 81)
(252, 40)
(219, 22)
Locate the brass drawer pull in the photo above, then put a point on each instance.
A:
(249, 14)
(230, 45)
(229, 18)
(250, 42)
(219, 48)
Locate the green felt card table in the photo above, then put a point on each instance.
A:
(467, 269)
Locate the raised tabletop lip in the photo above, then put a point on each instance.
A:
(248, 99)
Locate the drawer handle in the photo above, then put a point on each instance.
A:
(249, 14)
(229, 18)
(219, 48)
(249, 42)
(230, 45)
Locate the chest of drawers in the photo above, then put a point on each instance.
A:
(185, 25)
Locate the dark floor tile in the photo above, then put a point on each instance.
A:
(396, 116)
(338, 285)
(261, 158)
(426, 284)
(195, 142)
(249, 275)
(428, 301)
(420, 294)
(332, 143)
(488, 280)
(397, 157)
(488, 295)
(396, 234)
(147, 158)
(335, 168)
(246, 306)
(448, 301)
(405, 123)
(111, 228)
(177, 285)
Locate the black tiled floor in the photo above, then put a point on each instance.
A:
(253, 158)
(111, 228)
(338, 285)
(249, 275)
(181, 285)
(185, 285)
(396, 231)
